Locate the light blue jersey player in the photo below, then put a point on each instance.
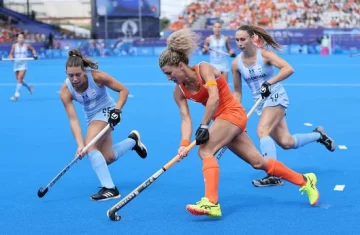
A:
(18, 52)
(95, 100)
(256, 67)
(89, 88)
(218, 45)
(256, 75)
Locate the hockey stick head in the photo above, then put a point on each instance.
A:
(42, 192)
(113, 216)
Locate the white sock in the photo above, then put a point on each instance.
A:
(17, 90)
(101, 169)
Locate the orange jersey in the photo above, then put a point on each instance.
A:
(228, 108)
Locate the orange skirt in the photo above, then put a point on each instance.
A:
(236, 116)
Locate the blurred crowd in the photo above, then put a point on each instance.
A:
(274, 13)
(192, 12)
(8, 34)
(9, 30)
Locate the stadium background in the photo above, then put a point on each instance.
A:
(37, 141)
(140, 27)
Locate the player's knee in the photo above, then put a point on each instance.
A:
(109, 159)
(205, 151)
(286, 142)
(263, 130)
(91, 148)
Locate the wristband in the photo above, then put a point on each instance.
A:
(185, 143)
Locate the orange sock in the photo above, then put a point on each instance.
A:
(211, 173)
(278, 169)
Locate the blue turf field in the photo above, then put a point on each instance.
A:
(37, 143)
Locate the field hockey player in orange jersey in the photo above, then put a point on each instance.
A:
(204, 84)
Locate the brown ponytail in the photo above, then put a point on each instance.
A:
(262, 34)
(76, 59)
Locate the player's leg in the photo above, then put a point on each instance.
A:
(20, 75)
(224, 69)
(21, 79)
(269, 119)
(98, 162)
(285, 140)
(110, 154)
(221, 132)
(244, 148)
(113, 152)
(17, 88)
(104, 153)
(273, 111)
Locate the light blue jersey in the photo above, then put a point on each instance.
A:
(218, 60)
(258, 73)
(19, 53)
(95, 100)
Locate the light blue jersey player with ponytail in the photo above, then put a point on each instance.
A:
(89, 88)
(256, 66)
(19, 52)
(218, 43)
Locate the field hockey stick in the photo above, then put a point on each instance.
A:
(17, 59)
(220, 52)
(42, 192)
(223, 149)
(217, 51)
(111, 213)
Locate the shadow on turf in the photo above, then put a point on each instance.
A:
(85, 191)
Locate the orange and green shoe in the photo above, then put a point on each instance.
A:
(205, 207)
(310, 188)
